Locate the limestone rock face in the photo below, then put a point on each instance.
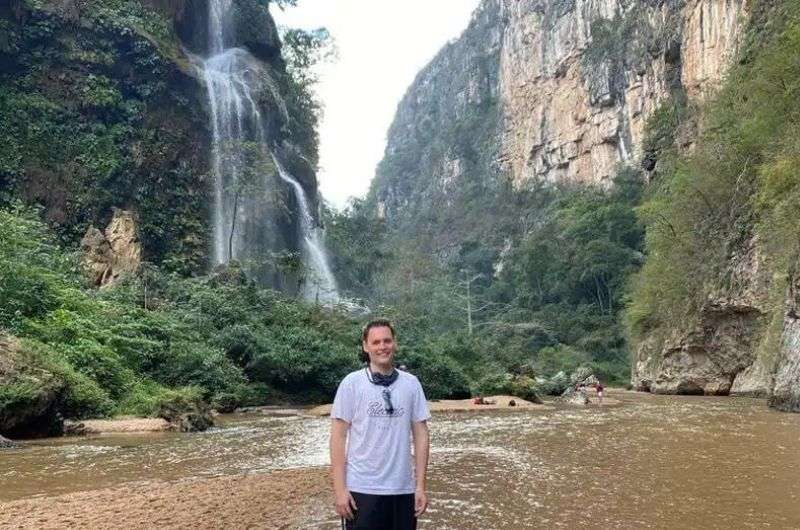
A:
(705, 360)
(786, 390)
(555, 90)
(560, 91)
(575, 107)
(717, 354)
(712, 32)
(106, 256)
(448, 115)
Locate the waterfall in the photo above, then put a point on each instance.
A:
(320, 284)
(242, 163)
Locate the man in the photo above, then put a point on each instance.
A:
(377, 412)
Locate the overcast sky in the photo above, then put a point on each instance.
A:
(382, 44)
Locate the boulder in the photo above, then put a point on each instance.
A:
(186, 415)
(195, 421)
(31, 395)
(583, 376)
(576, 393)
(574, 396)
(785, 393)
(72, 428)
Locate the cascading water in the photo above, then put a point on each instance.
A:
(241, 160)
(321, 285)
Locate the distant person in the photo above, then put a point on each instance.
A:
(599, 388)
(584, 396)
(377, 412)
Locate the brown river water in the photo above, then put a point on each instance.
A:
(651, 462)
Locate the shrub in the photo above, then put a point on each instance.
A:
(148, 398)
(561, 358)
(441, 377)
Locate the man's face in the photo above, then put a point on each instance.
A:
(380, 345)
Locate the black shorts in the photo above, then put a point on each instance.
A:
(383, 512)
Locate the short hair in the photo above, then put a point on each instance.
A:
(375, 323)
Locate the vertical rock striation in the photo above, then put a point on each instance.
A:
(580, 78)
(555, 90)
(785, 394)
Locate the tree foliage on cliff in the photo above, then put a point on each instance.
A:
(100, 117)
(739, 183)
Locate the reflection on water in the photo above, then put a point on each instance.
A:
(655, 461)
(242, 444)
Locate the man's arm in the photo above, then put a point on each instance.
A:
(343, 501)
(421, 436)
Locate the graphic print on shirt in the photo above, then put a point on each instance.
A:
(376, 409)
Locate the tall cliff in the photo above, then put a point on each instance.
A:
(102, 106)
(555, 90)
(568, 92)
(714, 309)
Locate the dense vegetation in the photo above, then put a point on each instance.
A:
(97, 109)
(125, 348)
(530, 276)
(157, 337)
(737, 188)
(534, 285)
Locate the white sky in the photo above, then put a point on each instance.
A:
(382, 44)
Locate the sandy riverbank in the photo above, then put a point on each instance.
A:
(118, 425)
(277, 500)
(133, 424)
(460, 405)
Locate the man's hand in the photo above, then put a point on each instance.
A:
(345, 505)
(419, 430)
(420, 502)
(343, 502)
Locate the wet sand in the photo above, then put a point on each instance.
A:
(278, 500)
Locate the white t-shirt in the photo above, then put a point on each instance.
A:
(379, 443)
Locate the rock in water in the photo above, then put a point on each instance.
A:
(72, 428)
(194, 421)
(187, 415)
(5, 443)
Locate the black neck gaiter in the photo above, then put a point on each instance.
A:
(383, 380)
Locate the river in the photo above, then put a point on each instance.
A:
(651, 462)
